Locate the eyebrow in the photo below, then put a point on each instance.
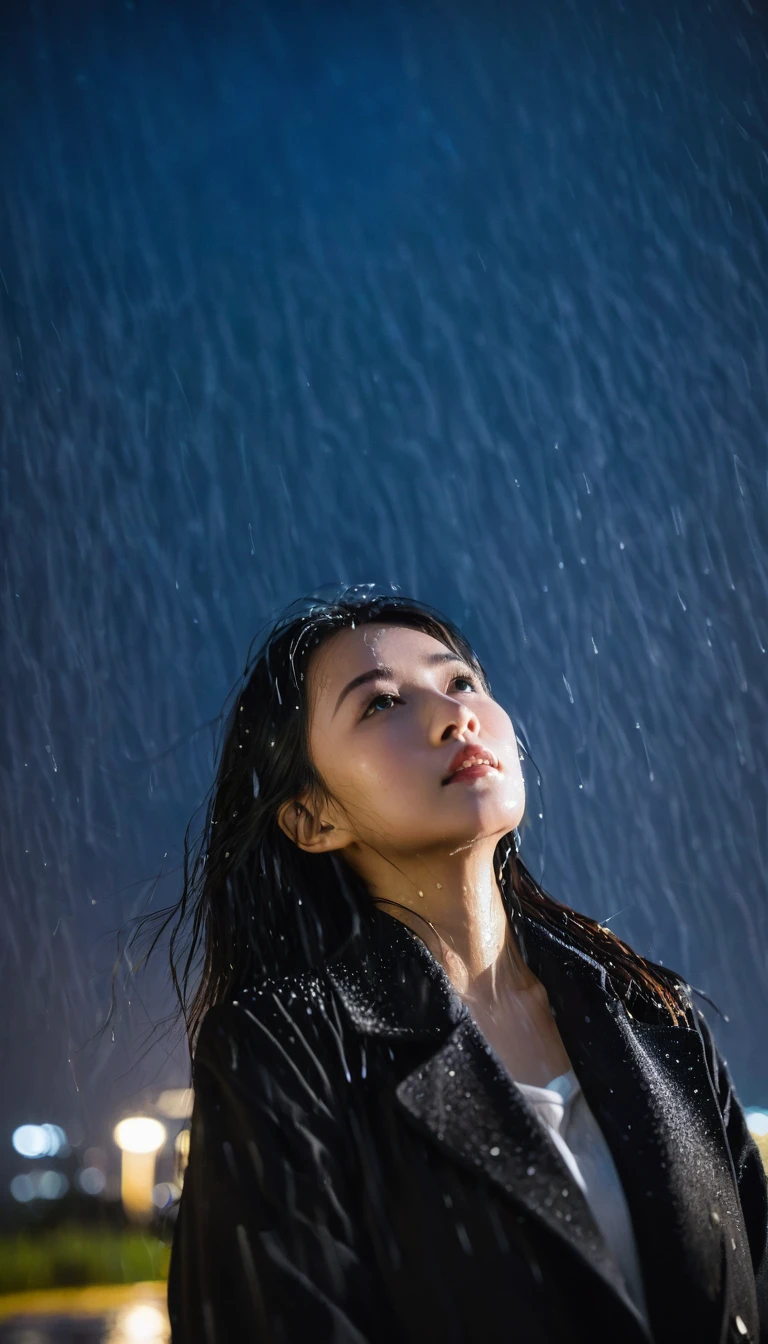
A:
(381, 673)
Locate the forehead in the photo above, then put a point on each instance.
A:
(350, 652)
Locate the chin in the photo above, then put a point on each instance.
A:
(491, 810)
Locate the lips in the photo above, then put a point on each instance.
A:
(469, 752)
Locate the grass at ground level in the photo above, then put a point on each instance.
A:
(73, 1257)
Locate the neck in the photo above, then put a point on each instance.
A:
(454, 904)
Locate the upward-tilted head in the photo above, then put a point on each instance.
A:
(417, 756)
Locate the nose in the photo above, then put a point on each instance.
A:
(454, 718)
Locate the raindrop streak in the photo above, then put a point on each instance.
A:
(544, 414)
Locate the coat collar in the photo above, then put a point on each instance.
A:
(646, 1083)
(394, 987)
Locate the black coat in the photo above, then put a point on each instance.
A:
(363, 1170)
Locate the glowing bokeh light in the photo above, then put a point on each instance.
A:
(139, 1324)
(164, 1194)
(757, 1121)
(176, 1103)
(139, 1134)
(51, 1184)
(39, 1185)
(91, 1180)
(39, 1140)
(22, 1189)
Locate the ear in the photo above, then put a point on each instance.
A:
(309, 829)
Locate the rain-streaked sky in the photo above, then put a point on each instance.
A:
(468, 298)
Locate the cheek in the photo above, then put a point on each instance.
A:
(502, 736)
(363, 770)
(382, 764)
(513, 790)
(386, 777)
(514, 766)
(382, 798)
(501, 733)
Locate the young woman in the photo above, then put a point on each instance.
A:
(432, 1102)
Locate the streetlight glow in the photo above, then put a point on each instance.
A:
(757, 1121)
(139, 1138)
(176, 1103)
(139, 1134)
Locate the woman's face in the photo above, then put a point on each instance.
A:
(385, 746)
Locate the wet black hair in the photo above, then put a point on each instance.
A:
(253, 903)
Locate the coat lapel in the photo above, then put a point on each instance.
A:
(667, 1141)
(505, 1140)
(649, 1088)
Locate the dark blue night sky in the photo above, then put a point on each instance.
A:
(465, 298)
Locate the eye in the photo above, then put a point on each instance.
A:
(469, 680)
(383, 696)
(396, 700)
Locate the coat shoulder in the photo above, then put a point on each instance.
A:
(278, 1022)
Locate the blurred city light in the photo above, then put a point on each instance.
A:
(139, 1138)
(22, 1189)
(39, 1141)
(176, 1103)
(91, 1180)
(30, 1141)
(181, 1148)
(757, 1121)
(165, 1194)
(39, 1185)
(139, 1134)
(139, 1324)
(51, 1184)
